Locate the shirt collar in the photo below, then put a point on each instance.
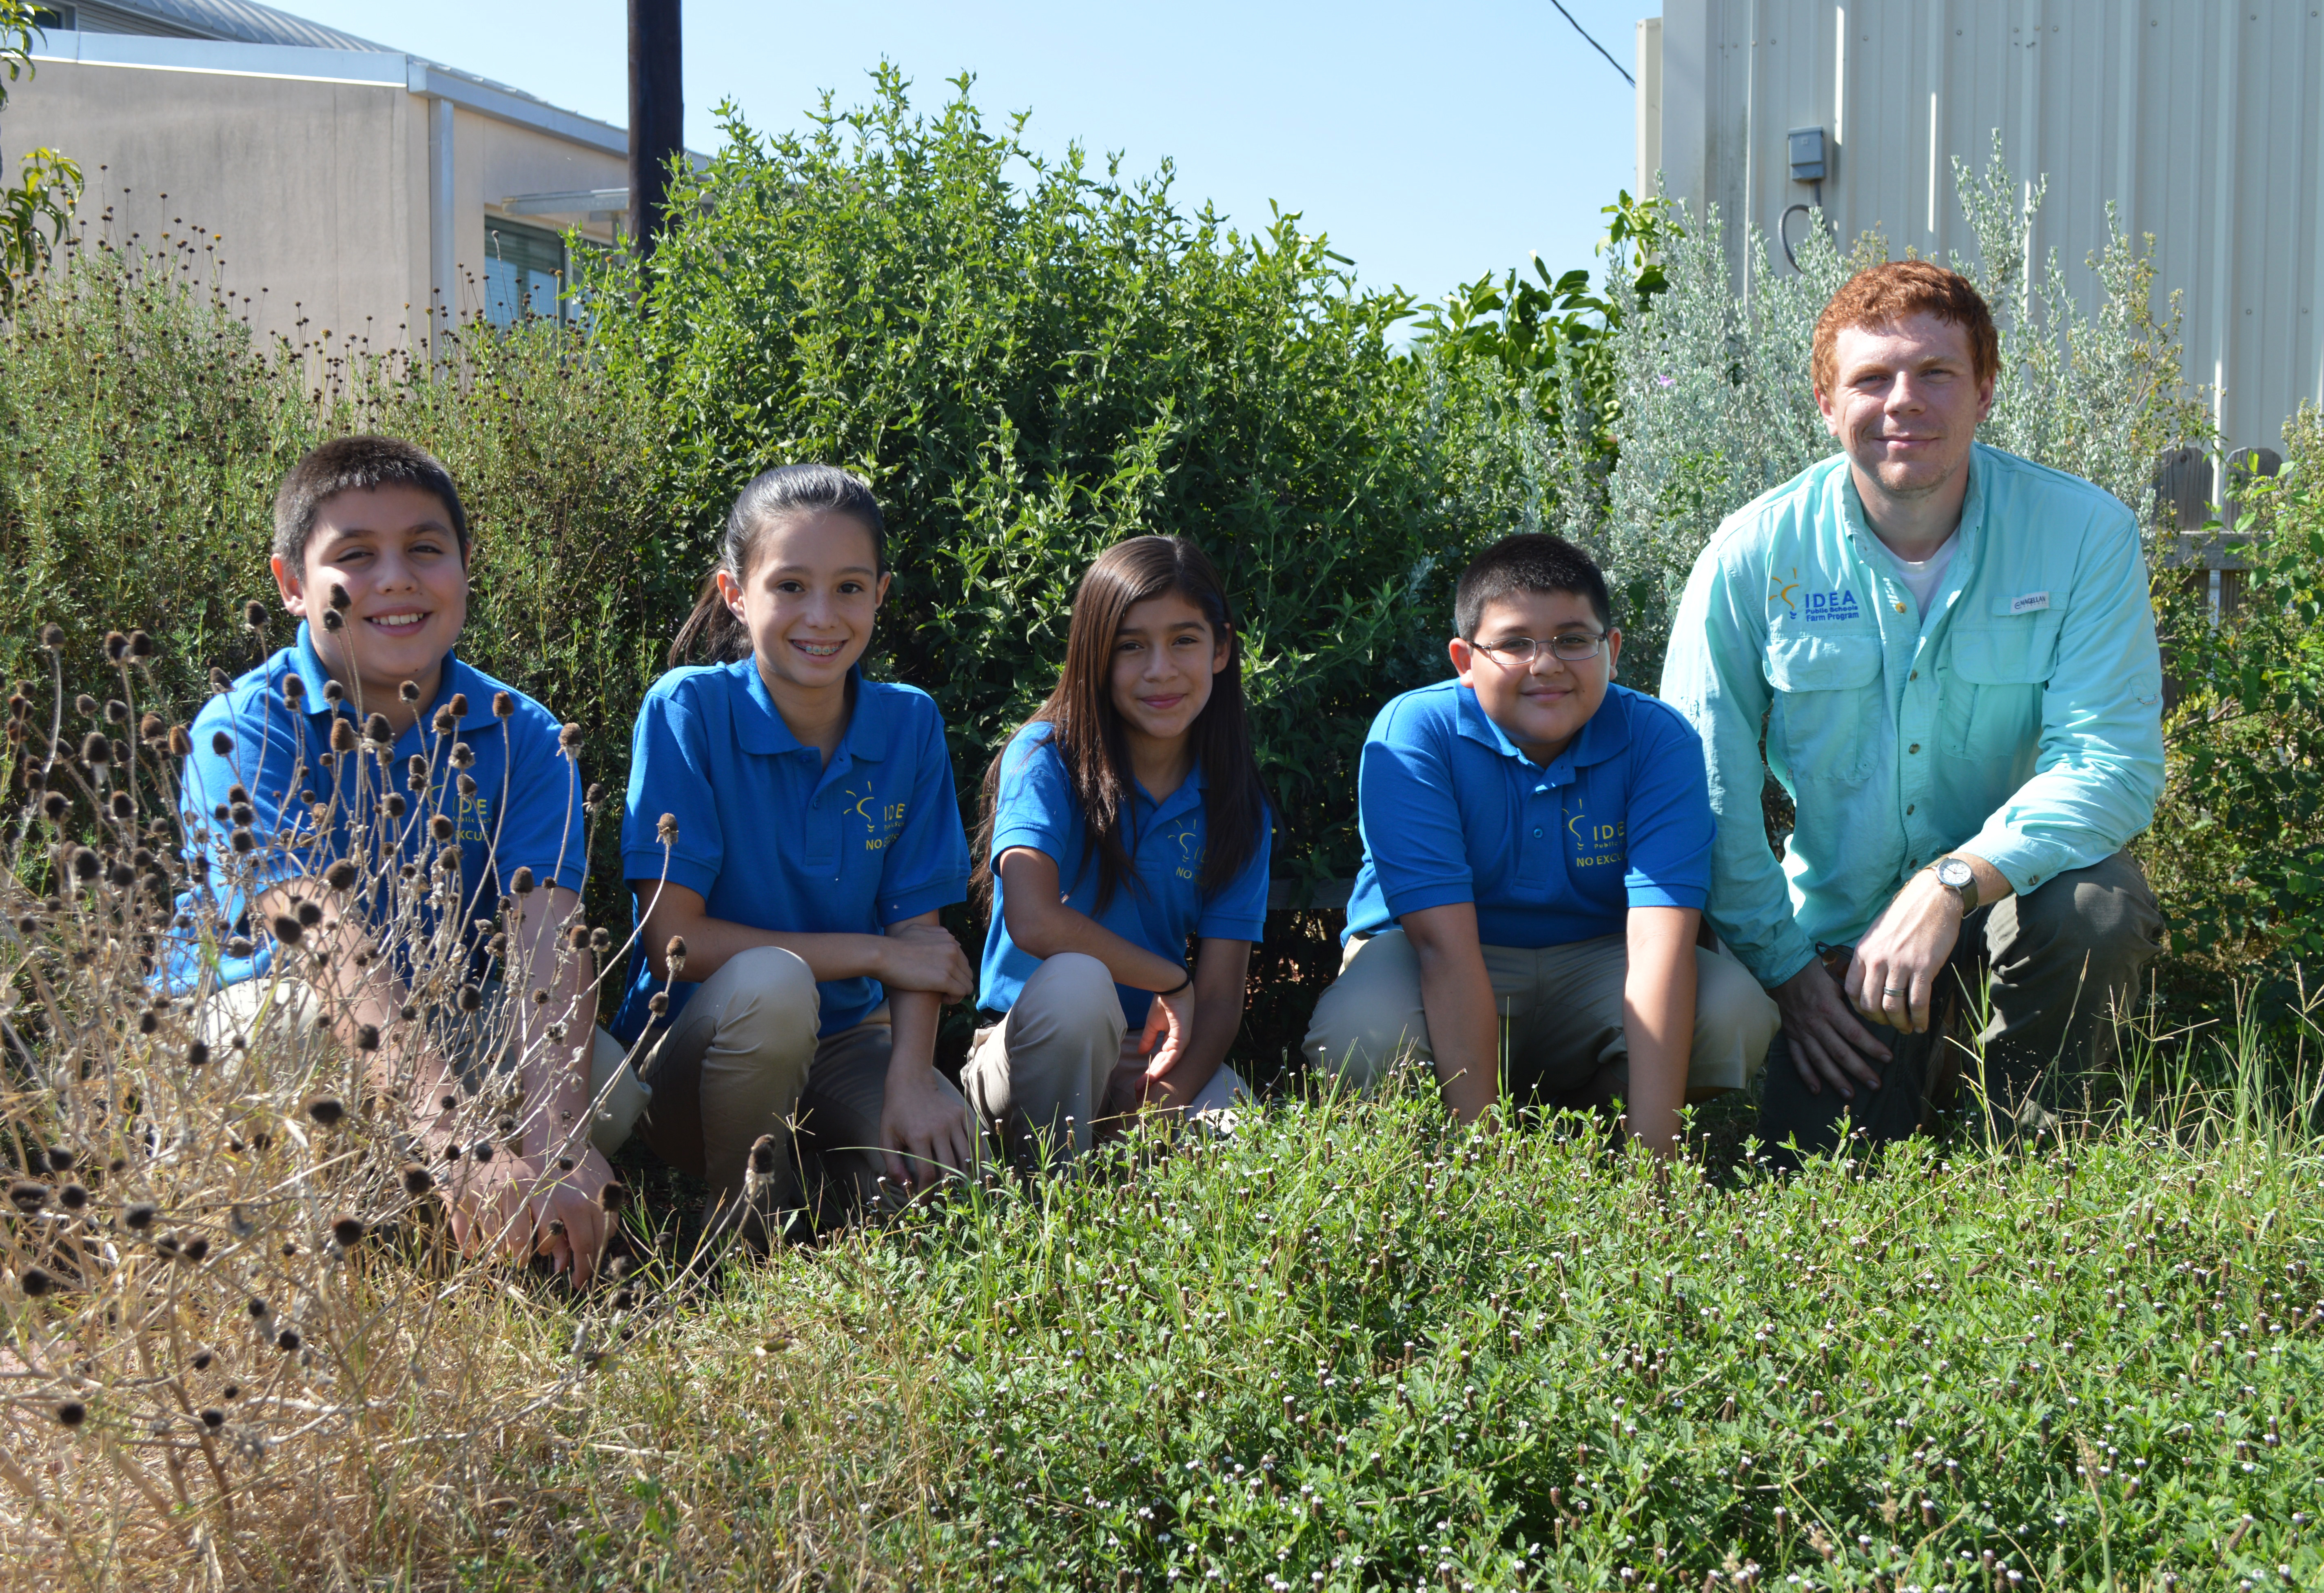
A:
(1605, 732)
(1188, 794)
(1967, 530)
(758, 724)
(459, 680)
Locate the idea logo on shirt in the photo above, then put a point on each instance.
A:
(1597, 846)
(1840, 603)
(1190, 852)
(881, 819)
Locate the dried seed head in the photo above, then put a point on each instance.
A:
(593, 796)
(198, 1053)
(340, 599)
(85, 705)
(294, 690)
(440, 827)
(201, 1361)
(52, 637)
(195, 1250)
(675, 953)
(153, 727)
(444, 722)
(468, 784)
(503, 705)
(578, 937)
(310, 914)
(116, 647)
(141, 645)
(366, 1036)
(348, 1230)
(765, 1157)
(658, 1003)
(254, 615)
(471, 997)
(287, 1340)
(213, 1418)
(72, 1413)
(326, 1109)
(458, 705)
(568, 738)
(408, 692)
(600, 941)
(342, 736)
(55, 804)
(259, 1312)
(72, 1197)
(34, 1282)
(140, 1216)
(288, 929)
(394, 805)
(116, 712)
(96, 750)
(377, 729)
(181, 744)
(122, 808)
(666, 829)
(614, 1195)
(462, 756)
(340, 875)
(522, 883)
(418, 1180)
(333, 620)
(85, 863)
(221, 743)
(481, 1150)
(28, 1196)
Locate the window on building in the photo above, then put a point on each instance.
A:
(524, 272)
(55, 19)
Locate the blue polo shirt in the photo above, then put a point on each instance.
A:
(1452, 812)
(1156, 907)
(770, 836)
(526, 812)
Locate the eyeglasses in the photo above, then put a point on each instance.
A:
(1575, 646)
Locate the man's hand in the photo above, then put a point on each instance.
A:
(924, 1132)
(1896, 969)
(926, 957)
(1828, 1045)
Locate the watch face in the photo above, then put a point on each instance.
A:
(1956, 873)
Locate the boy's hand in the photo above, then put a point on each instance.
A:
(575, 1201)
(926, 957)
(924, 1132)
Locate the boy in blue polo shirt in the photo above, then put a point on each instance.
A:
(1536, 856)
(359, 792)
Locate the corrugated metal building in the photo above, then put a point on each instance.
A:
(2203, 122)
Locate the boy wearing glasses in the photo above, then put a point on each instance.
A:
(1536, 853)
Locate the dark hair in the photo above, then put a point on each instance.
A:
(1880, 296)
(1530, 561)
(356, 464)
(785, 492)
(1086, 728)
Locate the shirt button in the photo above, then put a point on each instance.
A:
(1913, 748)
(1536, 831)
(1908, 809)
(1900, 608)
(1915, 675)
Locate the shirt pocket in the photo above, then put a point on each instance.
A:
(2000, 670)
(1828, 706)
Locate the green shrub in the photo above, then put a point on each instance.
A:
(1030, 361)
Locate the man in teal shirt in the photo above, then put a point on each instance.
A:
(1951, 652)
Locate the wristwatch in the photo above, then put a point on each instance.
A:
(1955, 876)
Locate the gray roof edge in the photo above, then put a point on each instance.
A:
(233, 58)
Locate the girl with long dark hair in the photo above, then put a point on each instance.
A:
(1126, 817)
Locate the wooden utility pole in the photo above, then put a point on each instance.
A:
(656, 114)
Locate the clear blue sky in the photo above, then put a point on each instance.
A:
(1431, 142)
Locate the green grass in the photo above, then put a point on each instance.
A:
(1349, 1348)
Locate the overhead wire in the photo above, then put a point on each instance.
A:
(1600, 48)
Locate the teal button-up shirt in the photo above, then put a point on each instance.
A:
(2019, 718)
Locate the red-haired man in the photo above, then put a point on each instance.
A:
(1952, 654)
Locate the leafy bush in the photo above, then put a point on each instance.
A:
(2237, 847)
(1029, 362)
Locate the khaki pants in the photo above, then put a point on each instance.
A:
(1046, 1070)
(1561, 1016)
(284, 1010)
(742, 1059)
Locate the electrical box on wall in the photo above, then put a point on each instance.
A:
(1807, 154)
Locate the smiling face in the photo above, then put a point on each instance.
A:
(1165, 656)
(1905, 403)
(1541, 705)
(808, 601)
(394, 549)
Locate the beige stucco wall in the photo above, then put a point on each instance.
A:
(312, 196)
(302, 188)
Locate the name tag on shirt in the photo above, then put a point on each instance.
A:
(2030, 603)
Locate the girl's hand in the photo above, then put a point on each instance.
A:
(1169, 1031)
(490, 1203)
(926, 957)
(924, 1132)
